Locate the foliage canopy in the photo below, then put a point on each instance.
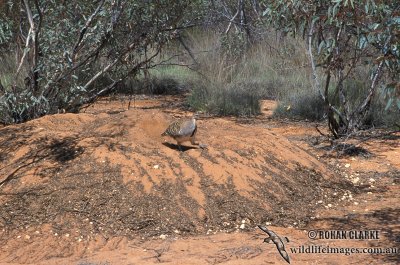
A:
(344, 35)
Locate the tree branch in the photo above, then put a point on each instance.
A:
(92, 54)
(371, 91)
(317, 85)
(231, 22)
(23, 55)
(109, 66)
(105, 90)
(30, 16)
(180, 39)
(85, 27)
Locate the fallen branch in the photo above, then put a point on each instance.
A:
(319, 131)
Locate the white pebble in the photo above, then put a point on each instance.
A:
(355, 180)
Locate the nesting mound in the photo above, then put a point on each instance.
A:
(111, 173)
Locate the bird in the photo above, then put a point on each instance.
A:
(183, 130)
(277, 241)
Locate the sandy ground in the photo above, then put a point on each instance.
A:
(103, 187)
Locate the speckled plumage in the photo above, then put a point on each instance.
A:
(182, 130)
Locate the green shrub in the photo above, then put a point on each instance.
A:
(154, 85)
(307, 104)
(16, 107)
(303, 105)
(236, 99)
(380, 116)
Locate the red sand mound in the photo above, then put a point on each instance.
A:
(93, 176)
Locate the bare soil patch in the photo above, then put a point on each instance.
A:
(99, 187)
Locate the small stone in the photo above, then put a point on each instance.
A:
(66, 235)
(27, 237)
(355, 180)
(163, 236)
(37, 232)
(243, 221)
(355, 203)
(156, 166)
(203, 146)
(347, 165)
(242, 226)
(329, 205)
(372, 180)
